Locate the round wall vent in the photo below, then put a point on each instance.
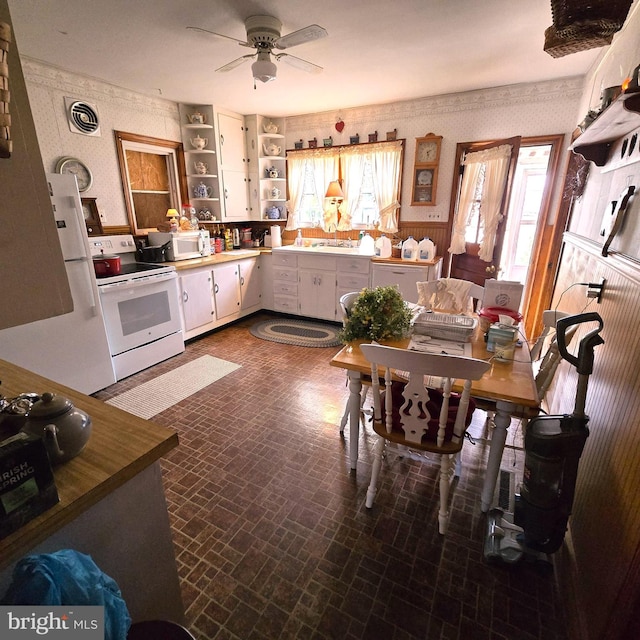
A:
(83, 118)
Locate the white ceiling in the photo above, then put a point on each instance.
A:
(377, 51)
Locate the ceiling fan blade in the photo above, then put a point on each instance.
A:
(312, 32)
(235, 63)
(221, 35)
(299, 63)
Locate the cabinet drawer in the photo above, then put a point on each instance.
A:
(353, 281)
(321, 262)
(284, 259)
(353, 265)
(288, 304)
(280, 273)
(280, 287)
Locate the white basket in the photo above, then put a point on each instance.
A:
(445, 326)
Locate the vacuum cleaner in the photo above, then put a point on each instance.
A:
(553, 446)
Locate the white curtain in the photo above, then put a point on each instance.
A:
(465, 204)
(385, 162)
(496, 163)
(295, 183)
(353, 165)
(325, 169)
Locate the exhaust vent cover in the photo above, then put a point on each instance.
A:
(82, 117)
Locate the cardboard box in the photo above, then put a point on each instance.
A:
(502, 293)
(27, 486)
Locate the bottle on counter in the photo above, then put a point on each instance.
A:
(383, 247)
(235, 238)
(410, 249)
(299, 240)
(228, 240)
(367, 245)
(426, 250)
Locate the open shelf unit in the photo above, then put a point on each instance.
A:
(620, 118)
(268, 167)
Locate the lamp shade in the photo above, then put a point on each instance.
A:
(263, 69)
(172, 213)
(334, 190)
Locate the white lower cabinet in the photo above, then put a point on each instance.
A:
(218, 294)
(405, 276)
(285, 282)
(196, 296)
(266, 280)
(317, 286)
(226, 289)
(250, 283)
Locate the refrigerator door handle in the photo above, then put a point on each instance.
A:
(92, 286)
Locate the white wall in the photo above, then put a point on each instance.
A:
(523, 109)
(118, 109)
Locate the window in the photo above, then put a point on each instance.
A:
(370, 175)
(152, 172)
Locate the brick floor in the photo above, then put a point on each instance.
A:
(271, 534)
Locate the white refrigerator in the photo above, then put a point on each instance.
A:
(71, 349)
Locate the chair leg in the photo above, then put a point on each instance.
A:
(375, 471)
(447, 465)
(363, 411)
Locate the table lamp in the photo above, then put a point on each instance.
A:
(173, 215)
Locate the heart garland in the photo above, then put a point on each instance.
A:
(339, 125)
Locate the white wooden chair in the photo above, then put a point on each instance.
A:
(414, 416)
(546, 368)
(346, 302)
(450, 294)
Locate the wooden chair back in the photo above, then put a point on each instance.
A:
(421, 407)
(440, 294)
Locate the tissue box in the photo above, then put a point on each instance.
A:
(27, 486)
(500, 335)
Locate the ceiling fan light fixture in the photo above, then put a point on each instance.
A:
(263, 68)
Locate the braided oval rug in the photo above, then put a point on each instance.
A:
(300, 333)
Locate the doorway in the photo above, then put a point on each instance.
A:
(527, 219)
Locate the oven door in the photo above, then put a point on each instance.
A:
(140, 310)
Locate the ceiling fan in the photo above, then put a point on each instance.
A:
(263, 35)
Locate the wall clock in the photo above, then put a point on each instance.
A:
(76, 167)
(425, 170)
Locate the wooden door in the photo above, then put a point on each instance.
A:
(467, 265)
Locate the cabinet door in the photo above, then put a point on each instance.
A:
(317, 294)
(226, 289)
(234, 185)
(197, 299)
(403, 277)
(231, 142)
(250, 283)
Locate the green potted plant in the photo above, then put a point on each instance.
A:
(377, 314)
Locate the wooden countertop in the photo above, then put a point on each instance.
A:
(121, 446)
(217, 258)
(408, 263)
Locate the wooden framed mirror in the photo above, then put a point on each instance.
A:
(153, 179)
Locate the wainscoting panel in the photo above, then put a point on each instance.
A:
(599, 566)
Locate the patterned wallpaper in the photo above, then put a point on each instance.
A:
(524, 109)
(118, 109)
(543, 108)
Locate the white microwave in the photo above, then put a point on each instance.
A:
(183, 245)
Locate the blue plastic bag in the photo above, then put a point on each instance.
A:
(67, 577)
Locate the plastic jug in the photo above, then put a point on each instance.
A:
(367, 246)
(426, 250)
(383, 247)
(410, 249)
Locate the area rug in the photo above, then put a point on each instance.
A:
(152, 397)
(299, 333)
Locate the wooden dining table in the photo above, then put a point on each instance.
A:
(509, 384)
